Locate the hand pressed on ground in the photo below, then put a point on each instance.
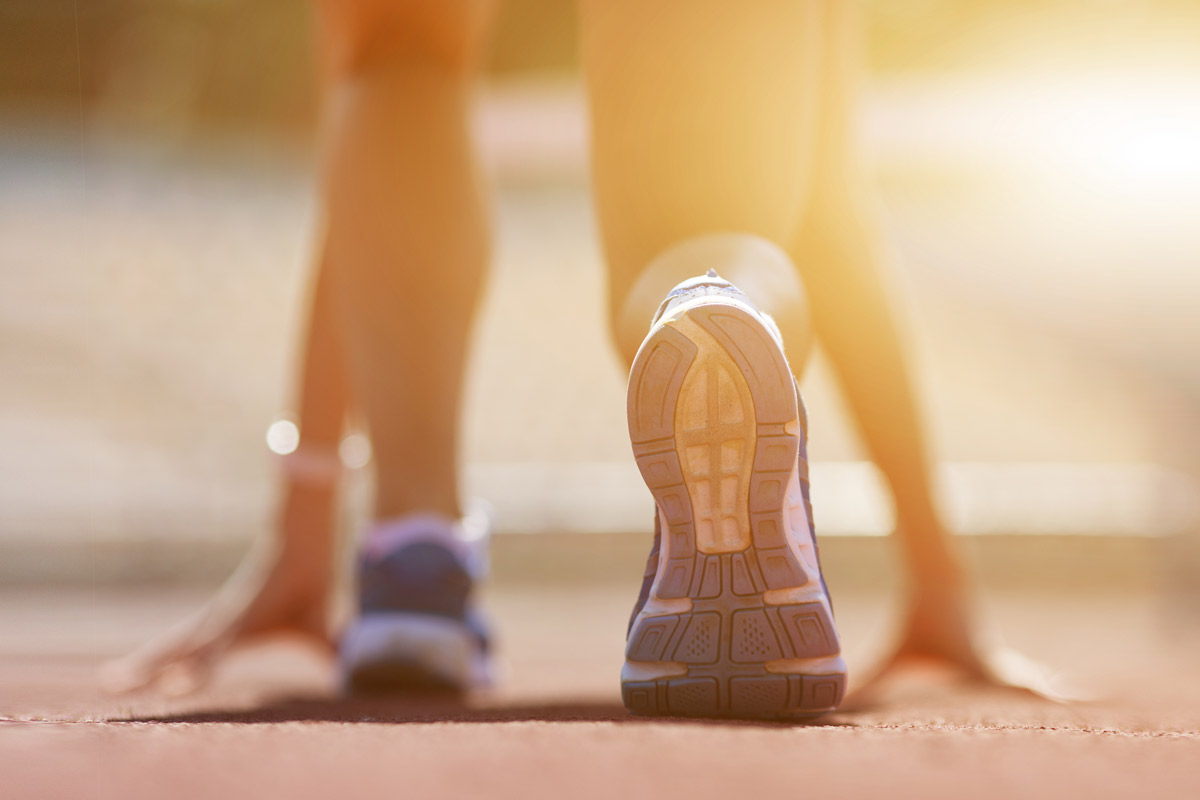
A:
(942, 639)
(282, 588)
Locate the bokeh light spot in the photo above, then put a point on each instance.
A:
(283, 437)
(355, 451)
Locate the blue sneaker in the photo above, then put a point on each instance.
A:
(733, 619)
(417, 629)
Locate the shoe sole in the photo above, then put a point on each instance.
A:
(399, 652)
(737, 623)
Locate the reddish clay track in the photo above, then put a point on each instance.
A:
(269, 726)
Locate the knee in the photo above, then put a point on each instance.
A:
(363, 36)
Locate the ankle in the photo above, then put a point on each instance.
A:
(402, 495)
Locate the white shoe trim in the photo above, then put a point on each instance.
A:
(442, 647)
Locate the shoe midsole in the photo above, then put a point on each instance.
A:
(444, 648)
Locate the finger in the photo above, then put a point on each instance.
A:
(183, 677)
(192, 670)
(141, 668)
(1009, 668)
(124, 675)
(144, 667)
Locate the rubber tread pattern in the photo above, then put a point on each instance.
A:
(756, 696)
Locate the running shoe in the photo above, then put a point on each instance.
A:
(417, 629)
(733, 619)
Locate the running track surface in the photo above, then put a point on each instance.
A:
(269, 725)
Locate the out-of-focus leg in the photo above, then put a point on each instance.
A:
(408, 234)
(402, 259)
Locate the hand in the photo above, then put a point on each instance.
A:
(940, 633)
(279, 589)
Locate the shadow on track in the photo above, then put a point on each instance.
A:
(417, 709)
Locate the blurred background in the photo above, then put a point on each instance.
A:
(1038, 172)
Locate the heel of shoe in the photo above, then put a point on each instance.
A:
(752, 696)
(737, 621)
(736, 658)
(391, 652)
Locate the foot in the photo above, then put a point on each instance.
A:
(734, 619)
(416, 629)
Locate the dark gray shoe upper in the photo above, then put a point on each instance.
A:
(422, 577)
